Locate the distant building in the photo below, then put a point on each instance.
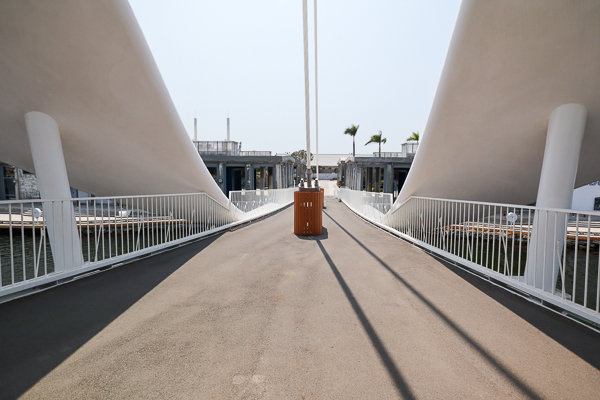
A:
(16, 184)
(375, 173)
(234, 169)
(587, 198)
(231, 168)
(328, 165)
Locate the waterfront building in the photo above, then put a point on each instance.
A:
(234, 169)
(385, 172)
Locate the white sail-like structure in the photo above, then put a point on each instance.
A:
(510, 64)
(87, 65)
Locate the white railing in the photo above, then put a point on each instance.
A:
(389, 154)
(549, 254)
(217, 148)
(369, 204)
(255, 153)
(253, 201)
(45, 241)
(408, 149)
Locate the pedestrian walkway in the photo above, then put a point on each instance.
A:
(260, 313)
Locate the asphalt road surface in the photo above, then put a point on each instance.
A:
(259, 313)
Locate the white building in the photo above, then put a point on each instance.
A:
(587, 198)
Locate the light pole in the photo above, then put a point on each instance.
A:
(316, 95)
(306, 96)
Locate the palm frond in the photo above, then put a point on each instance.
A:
(351, 130)
(376, 139)
(413, 137)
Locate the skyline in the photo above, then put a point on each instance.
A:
(246, 61)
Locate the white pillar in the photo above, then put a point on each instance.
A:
(388, 179)
(228, 135)
(195, 129)
(557, 181)
(277, 181)
(53, 183)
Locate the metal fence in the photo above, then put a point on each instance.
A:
(389, 154)
(249, 201)
(408, 149)
(372, 205)
(551, 255)
(255, 153)
(228, 148)
(45, 241)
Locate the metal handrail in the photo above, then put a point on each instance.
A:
(561, 210)
(550, 254)
(55, 239)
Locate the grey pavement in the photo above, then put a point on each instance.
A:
(260, 313)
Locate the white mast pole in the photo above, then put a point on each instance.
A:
(316, 94)
(306, 96)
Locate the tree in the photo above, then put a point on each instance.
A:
(351, 130)
(300, 155)
(377, 139)
(413, 137)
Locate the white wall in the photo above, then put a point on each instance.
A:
(327, 176)
(583, 197)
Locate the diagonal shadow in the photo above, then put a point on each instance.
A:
(38, 332)
(581, 341)
(401, 385)
(522, 386)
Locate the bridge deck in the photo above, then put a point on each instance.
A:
(261, 313)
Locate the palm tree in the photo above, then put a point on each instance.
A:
(352, 132)
(414, 136)
(377, 139)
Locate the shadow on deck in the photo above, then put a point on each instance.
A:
(40, 331)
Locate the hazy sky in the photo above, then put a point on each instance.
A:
(379, 65)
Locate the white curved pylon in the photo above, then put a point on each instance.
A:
(510, 64)
(87, 65)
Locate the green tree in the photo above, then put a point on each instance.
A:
(351, 130)
(377, 139)
(413, 137)
(300, 155)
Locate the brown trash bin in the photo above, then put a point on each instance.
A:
(322, 198)
(308, 216)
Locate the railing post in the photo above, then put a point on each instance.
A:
(53, 183)
(557, 181)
